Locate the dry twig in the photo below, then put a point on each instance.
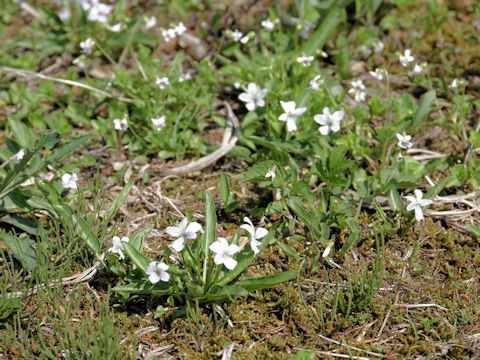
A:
(33, 74)
(86, 275)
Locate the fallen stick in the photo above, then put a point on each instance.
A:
(86, 275)
(33, 74)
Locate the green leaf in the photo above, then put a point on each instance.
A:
(119, 200)
(26, 225)
(225, 293)
(267, 281)
(159, 312)
(49, 192)
(195, 290)
(322, 34)
(354, 236)
(39, 203)
(22, 248)
(137, 257)
(437, 188)
(224, 189)
(475, 230)
(244, 259)
(304, 355)
(138, 237)
(22, 133)
(86, 234)
(146, 287)
(308, 219)
(66, 148)
(210, 230)
(395, 201)
(423, 110)
(287, 249)
(8, 306)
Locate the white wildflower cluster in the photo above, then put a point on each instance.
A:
(149, 22)
(456, 83)
(378, 73)
(268, 24)
(173, 31)
(117, 246)
(416, 203)
(237, 36)
(376, 47)
(291, 114)
(69, 181)
(116, 28)
(223, 250)
(329, 122)
(302, 25)
(87, 46)
(184, 77)
(407, 58)
(357, 90)
(97, 12)
(159, 123)
(162, 82)
(316, 82)
(253, 97)
(305, 60)
(404, 141)
(121, 124)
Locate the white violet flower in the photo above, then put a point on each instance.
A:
(268, 25)
(121, 124)
(117, 246)
(316, 82)
(224, 253)
(456, 83)
(305, 60)
(18, 156)
(157, 272)
(184, 77)
(116, 28)
(236, 35)
(291, 113)
(69, 181)
(406, 58)
(329, 122)
(378, 73)
(96, 10)
(358, 90)
(64, 14)
(404, 141)
(255, 234)
(378, 46)
(244, 39)
(162, 82)
(87, 46)
(327, 250)
(159, 123)
(365, 50)
(149, 22)
(271, 173)
(253, 97)
(169, 34)
(416, 203)
(183, 232)
(180, 28)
